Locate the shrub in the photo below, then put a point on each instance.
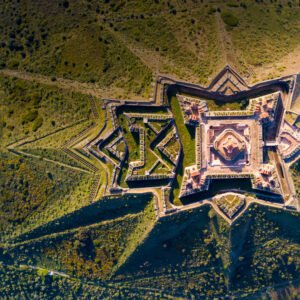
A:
(212, 10)
(42, 272)
(66, 4)
(232, 4)
(37, 124)
(30, 116)
(36, 98)
(10, 112)
(13, 63)
(229, 19)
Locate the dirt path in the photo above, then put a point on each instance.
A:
(222, 37)
(232, 55)
(209, 201)
(73, 85)
(22, 153)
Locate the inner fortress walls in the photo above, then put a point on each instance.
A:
(230, 143)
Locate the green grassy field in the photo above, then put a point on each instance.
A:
(35, 283)
(187, 138)
(221, 106)
(198, 246)
(56, 155)
(269, 30)
(270, 249)
(24, 103)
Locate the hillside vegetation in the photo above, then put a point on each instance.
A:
(121, 44)
(30, 110)
(35, 192)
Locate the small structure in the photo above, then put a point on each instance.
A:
(192, 109)
(230, 203)
(229, 144)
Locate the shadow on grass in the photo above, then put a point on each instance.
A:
(105, 209)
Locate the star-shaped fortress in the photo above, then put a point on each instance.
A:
(231, 144)
(145, 145)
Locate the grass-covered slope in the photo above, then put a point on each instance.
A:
(119, 44)
(269, 251)
(179, 257)
(197, 253)
(266, 31)
(29, 110)
(34, 192)
(55, 156)
(99, 211)
(76, 45)
(192, 253)
(91, 252)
